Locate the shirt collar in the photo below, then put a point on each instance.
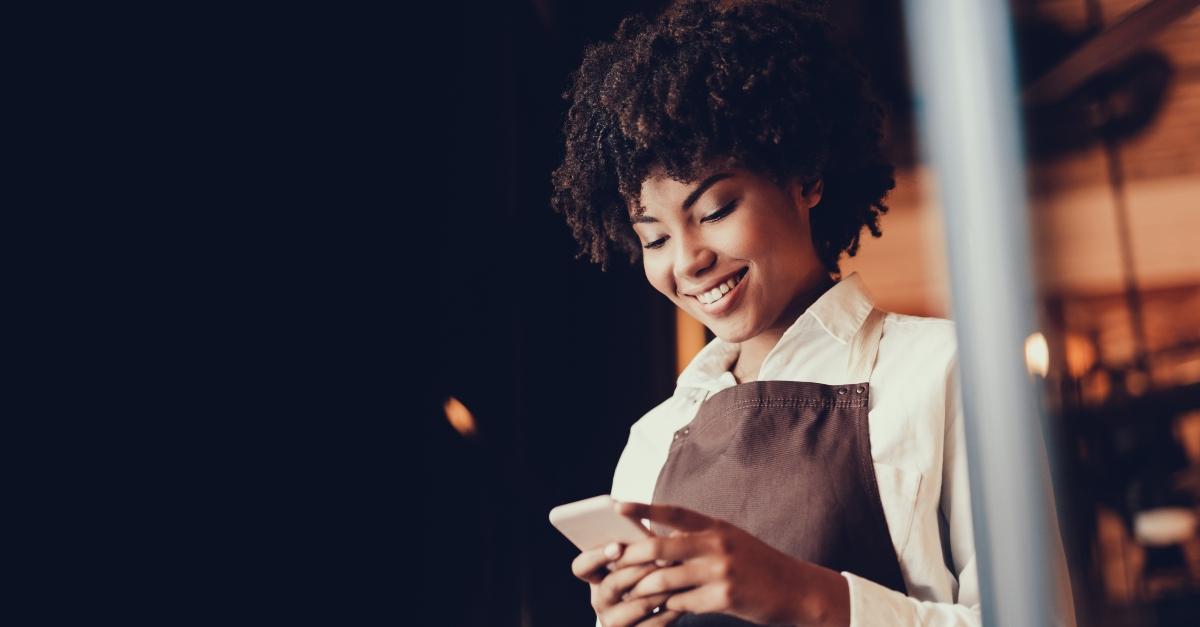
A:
(839, 312)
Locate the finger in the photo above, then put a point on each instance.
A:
(630, 612)
(674, 579)
(709, 598)
(663, 550)
(671, 515)
(589, 565)
(664, 617)
(612, 590)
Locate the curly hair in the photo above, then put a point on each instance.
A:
(758, 84)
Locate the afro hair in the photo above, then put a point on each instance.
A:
(758, 84)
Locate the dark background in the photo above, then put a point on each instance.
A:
(554, 357)
(259, 237)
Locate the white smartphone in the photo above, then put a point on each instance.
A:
(593, 522)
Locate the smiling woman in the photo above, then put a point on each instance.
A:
(809, 468)
(742, 261)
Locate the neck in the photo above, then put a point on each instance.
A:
(753, 351)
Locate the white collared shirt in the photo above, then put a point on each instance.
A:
(917, 446)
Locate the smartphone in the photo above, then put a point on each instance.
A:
(593, 522)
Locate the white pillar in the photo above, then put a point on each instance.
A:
(967, 103)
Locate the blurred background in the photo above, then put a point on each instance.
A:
(546, 361)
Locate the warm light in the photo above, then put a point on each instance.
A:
(1081, 355)
(1037, 354)
(1136, 383)
(689, 339)
(460, 417)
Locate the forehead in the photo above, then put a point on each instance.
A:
(661, 192)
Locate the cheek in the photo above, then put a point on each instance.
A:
(659, 277)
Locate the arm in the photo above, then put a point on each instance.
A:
(873, 604)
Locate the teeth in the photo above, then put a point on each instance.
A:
(717, 293)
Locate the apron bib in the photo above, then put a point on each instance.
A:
(790, 463)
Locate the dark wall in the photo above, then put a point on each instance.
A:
(555, 358)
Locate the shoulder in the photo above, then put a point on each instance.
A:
(919, 356)
(646, 449)
(924, 326)
(663, 419)
(920, 337)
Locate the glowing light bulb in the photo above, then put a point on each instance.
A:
(460, 417)
(1037, 355)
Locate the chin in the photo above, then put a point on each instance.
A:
(734, 334)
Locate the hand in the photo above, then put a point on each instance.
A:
(724, 569)
(609, 599)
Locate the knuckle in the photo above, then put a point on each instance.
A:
(726, 595)
(607, 590)
(603, 608)
(656, 547)
(724, 544)
(622, 581)
(722, 569)
(583, 564)
(652, 582)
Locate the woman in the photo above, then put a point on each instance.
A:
(809, 467)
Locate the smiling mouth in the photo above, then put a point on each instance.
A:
(717, 293)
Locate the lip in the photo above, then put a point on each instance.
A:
(715, 283)
(729, 302)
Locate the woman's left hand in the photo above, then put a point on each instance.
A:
(724, 569)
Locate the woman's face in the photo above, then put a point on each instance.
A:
(736, 229)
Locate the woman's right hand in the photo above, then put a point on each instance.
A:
(609, 588)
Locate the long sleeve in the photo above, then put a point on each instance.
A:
(874, 605)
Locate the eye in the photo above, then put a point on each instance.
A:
(658, 243)
(720, 213)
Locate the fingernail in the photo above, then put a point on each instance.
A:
(612, 551)
(662, 562)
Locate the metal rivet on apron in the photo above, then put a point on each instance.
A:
(859, 390)
(687, 430)
(841, 390)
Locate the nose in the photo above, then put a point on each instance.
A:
(692, 259)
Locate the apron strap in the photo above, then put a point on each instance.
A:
(865, 347)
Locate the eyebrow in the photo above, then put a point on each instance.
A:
(691, 198)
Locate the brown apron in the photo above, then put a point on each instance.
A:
(790, 463)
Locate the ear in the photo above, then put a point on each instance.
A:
(806, 195)
(811, 192)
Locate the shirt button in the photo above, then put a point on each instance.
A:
(687, 430)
